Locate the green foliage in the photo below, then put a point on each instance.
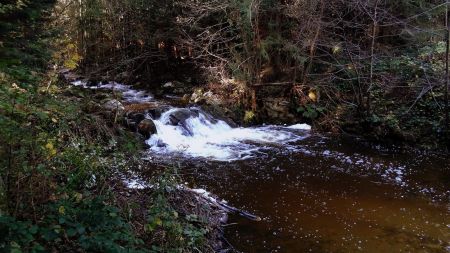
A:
(88, 224)
(249, 117)
(182, 233)
(311, 111)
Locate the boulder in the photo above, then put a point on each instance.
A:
(147, 128)
(113, 105)
(135, 117)
(180, 116)
(158, 111)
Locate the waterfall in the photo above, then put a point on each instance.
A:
(192, 132)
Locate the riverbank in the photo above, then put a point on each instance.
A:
(66, 162)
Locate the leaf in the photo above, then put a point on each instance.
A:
(81, 229)
(71, 232)
(158, 221)
(62, 210)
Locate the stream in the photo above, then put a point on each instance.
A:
(314, 192)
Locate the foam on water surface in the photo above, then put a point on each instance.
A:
(202, 136)
(129, 94)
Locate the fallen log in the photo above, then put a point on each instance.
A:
(222, 205)
(205, 195)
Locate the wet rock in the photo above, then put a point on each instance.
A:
(132, 119)
(93, 82)
(147, 128)
(220, 113)
(135, 117)
(156, 112)
(113, 105)
(180, 116)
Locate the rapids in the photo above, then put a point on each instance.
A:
(201, 135)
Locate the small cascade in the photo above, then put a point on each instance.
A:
(129, 94)
(194, 133)
(191, 132)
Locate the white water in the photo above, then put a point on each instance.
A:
(129, 94)
(202, 136)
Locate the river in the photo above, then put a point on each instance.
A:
(314, 192)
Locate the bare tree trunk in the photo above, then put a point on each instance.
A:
(312, 49)
(447, 76)
(372, 57)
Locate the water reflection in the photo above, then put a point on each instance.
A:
(332, 196)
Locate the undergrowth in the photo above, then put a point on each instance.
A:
(57, 162)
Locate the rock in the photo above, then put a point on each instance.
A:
(278, 110)
(209, 98)
(175, 87)
(135, 117)
(92, 82)
(181, 115)
(185, 99)
(168, 85)
(147, 128)
(220, 113)
(132, 120)
(196, 96)
(113, 105)
(156, 111)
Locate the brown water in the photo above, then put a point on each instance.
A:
(334, 195)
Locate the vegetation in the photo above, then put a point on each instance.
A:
(373, 67)
(59, 164)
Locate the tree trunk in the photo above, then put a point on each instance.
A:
(447, 77)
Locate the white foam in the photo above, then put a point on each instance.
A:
(201, 136)
(300, 127)
(129, 94)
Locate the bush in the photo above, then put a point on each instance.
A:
(70, 225)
